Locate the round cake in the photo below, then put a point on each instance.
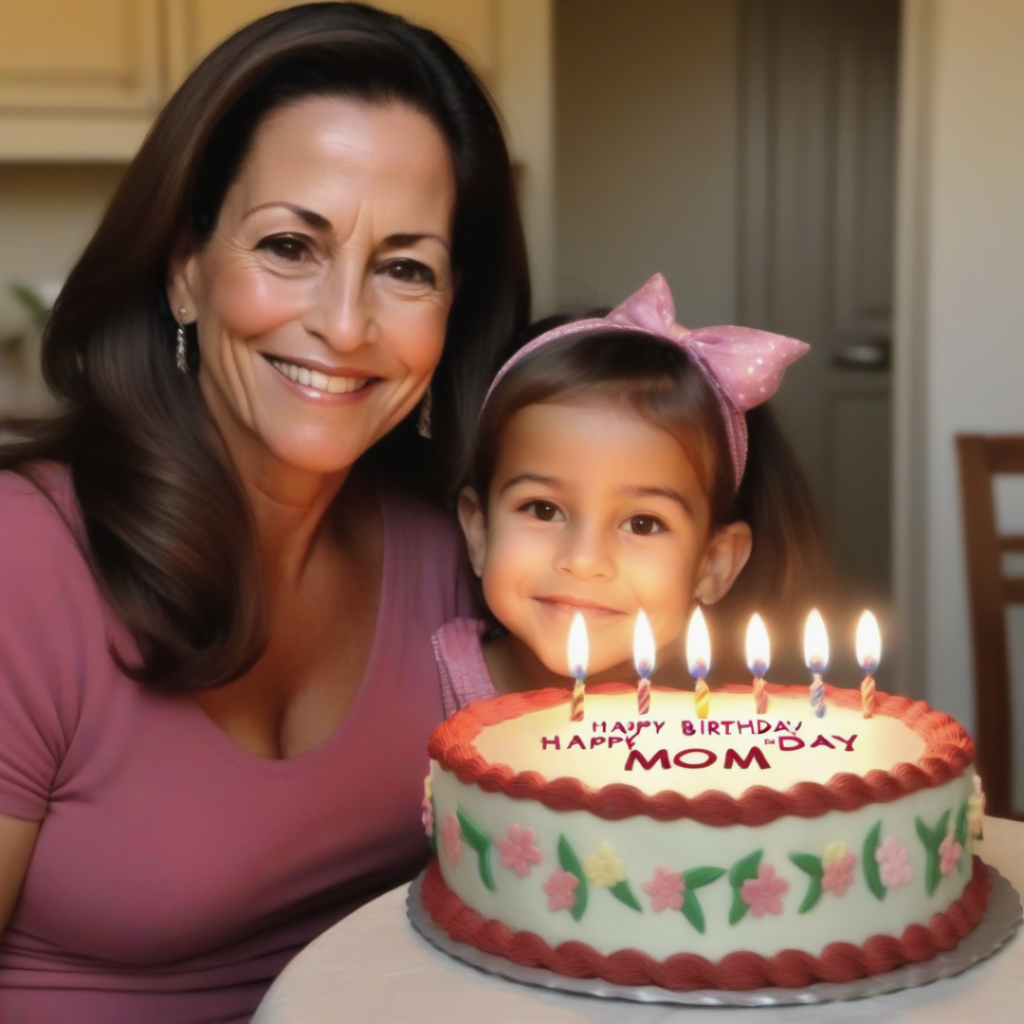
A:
(735, 851)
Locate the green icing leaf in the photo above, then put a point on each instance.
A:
(742, 871)
(480, 841)
(691, 910)
(932, 839)
(871, 873)
(810, 864)
(697, 878)
(570, 862)
(622, 892)
(961, 826)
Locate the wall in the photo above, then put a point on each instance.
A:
(651, 186)
(960, 339)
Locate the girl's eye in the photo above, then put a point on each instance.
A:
(545, 511)
(644, 525)
(286, 248)
(410, 272)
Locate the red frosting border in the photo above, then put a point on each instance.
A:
(683, 972)
(948, 752)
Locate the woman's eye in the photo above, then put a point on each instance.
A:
(644, 525)
(545, 511)
(290, 250)
(410, 272)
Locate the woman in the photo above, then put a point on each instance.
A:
(216, 682)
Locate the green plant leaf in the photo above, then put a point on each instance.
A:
(742, 871)
(570, 862)
(812, 865)
(622, 892)
(480, 841)
(871, 873)
(697, 878)
(30, 300)
(691, 910)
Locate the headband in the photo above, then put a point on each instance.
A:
(743, 366)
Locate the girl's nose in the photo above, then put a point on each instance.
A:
(342, 311)
(585, 553)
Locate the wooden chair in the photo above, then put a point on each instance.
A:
(991, 591)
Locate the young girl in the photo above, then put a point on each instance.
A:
(617, 470)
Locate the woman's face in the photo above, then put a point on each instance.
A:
(322, 296)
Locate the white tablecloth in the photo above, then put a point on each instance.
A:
(374, 967)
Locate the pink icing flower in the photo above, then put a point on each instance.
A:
(949, 852)
(518, 851)
(451, 833)
(665, 889)
(838, 875)
(762, 894)
(893, 858)
(428, 816)
(560, 888)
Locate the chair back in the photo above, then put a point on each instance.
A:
(991, 590)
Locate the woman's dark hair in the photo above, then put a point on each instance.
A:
(169, 531)
(657, 381)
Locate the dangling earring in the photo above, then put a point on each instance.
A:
(181, 352)
(423, 424)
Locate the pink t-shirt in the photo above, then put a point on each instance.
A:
(175, 873)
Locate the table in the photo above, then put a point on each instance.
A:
(374, 966)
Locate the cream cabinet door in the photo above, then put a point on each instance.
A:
(194, 27)
(74, 56)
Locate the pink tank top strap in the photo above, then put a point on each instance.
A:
(461, 665)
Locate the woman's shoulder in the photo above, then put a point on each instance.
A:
(38, 510)
(413, 514)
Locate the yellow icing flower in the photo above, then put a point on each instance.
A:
(833, 852)
(605, 869)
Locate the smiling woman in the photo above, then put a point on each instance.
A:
(218, 591)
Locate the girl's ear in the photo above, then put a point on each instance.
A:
(474, 526)
(725, 557)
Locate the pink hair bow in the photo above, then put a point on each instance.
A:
(743, 365)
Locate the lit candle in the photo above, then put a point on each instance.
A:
(698, 657)
(758, 656)
(816, 657)
(643, 658)
(578, 654)
(869, 654)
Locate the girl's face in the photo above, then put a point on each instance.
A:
(321, 298)
(594, 510)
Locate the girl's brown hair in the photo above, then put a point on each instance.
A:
(658, 382)
(169, 532)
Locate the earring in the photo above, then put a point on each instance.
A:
(181, 350)
(423, 424)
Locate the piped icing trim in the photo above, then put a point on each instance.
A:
(839, 962)
(948, 753)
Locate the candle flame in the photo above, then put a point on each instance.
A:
(758, 647)
(815, 643)
(578, 648)
(643, 646)
(698, 646)
(869, 643)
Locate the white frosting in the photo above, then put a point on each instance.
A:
(610, 731)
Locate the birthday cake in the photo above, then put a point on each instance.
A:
(735, 851)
